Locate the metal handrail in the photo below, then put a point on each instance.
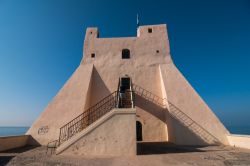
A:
(113, 101)
(149, 96)
(91, 115)
(192, 123)
(175, 113)
(88, 117)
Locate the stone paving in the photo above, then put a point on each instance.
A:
(211, 155)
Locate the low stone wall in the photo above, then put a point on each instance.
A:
(240, 141)
(11, 142)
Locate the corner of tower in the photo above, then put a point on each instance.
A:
(92, 33)
(152, 30)
(155, 33)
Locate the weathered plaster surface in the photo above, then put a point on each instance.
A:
(150, 66)
(142, 67)
(181, 93)
(11, 142)
(111, 135)
(240, 141)
(65, 106)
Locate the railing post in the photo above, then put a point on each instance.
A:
(59, 141)
(67, 134)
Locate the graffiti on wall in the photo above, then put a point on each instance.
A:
(43, 130)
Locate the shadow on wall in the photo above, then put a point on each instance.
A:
(177, 132)
(11, 153)
(194, 127)
(184, 135)
(150, 107)
(21, 149)
(148, 148)
(32, 142)
(5, 160)
(99, 90)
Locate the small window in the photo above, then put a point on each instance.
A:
(92, 55)
(157, 51)
(125, 54)
(150, 30)
(90, 32)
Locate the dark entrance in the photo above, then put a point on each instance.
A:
(125, 95)
(138, 131)
(124, 84)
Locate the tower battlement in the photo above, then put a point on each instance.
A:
(142, 31)
(151, 46)
(152, 30)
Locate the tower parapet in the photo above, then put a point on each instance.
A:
(152, 31)
(150, 46)
(91, 33)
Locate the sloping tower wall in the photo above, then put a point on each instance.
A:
(149, 66)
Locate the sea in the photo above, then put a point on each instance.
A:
(241, 130)
(12, 131)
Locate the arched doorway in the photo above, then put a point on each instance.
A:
(138, 131)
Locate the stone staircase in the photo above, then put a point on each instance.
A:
(113, 100)
(84, 120)
(88, 117)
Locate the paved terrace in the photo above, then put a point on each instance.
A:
(157, 154)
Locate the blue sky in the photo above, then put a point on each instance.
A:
(41, 46)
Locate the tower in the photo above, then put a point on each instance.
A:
(165, 106)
